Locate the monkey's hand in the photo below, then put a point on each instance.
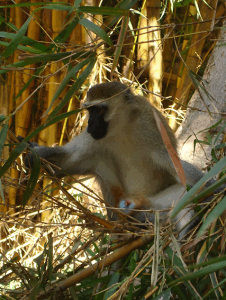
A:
(51, 154)
(29, 158)
(31, 144)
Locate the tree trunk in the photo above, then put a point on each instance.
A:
(197, 117)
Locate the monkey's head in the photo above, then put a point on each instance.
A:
(104, 114)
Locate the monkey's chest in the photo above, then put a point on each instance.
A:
(129, 175)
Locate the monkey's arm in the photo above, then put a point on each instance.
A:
(75, 158)
(160, 201)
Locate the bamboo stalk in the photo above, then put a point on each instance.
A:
(110, 259)
(142, 49)
(154, 52)
(25, 112)
(202, 31)
(18, 17)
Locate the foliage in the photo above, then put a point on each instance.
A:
(52, 231)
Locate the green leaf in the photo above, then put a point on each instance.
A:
(44, 58)
(64, 34)
(212, 216)
(209, 138)
(2, 118)
(3, 134)
(12, 66)
(33, 178)
(180, 271)
(121, 39)
(200, 273)
(25, 41)
(165, 295)
(15, 153)
(1, 19)
(77, 3)
(27, 4)
(2, 193)
(195, 79)
(114, 281)
(219, 133)
(124, 4)
(176, 289)
(197, 8)
(55, 57)
(95, 10)
(37, 72)
(213, 289)
(210, 189)
(75, 87)
(58, 7)
(17, 38)
(97, 30)
(190, 194)
(65, 81)
(51, 122)
(50, 256)
(12, 26)
(23, 48)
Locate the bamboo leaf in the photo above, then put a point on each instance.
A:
(2, 193)
(165, 295)
(44, 58)
(2, 118)
(95, 10)
(75, 87)
(15, 153)
(58, 7)
(180, 271)
(50, 258)
(219, 133)
(219, 167)
(37, 72)
(195, 79)
(124, 4)
(77, 3)
(120, 42)
(65, 81)
(27, 4)
(200, 273)
(23, 48)
(55, 57)
(3, 134)
(51, 122)
(33, 178)
(197, 8)
(64, 34)
(25, 41)
(97, 30)
(209, 189)
(17, 38)
(11, 67)
(212, 216)
(112, 285)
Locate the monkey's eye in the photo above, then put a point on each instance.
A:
(100, 109)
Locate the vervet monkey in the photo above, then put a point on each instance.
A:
(123, 148)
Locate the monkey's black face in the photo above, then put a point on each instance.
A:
(97, 126)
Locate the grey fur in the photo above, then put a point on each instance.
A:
(131, 160)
